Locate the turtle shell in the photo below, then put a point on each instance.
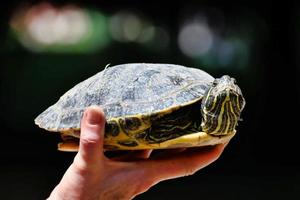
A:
(130, 95)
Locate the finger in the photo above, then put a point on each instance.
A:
(91, 136)
(134, 155)
(183, 164)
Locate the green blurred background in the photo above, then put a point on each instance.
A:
(47, 47)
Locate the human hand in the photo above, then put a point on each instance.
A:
(93, 176)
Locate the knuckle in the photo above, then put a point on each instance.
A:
(79, 166)
(88, 142)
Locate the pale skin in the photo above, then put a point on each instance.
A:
(93, 176)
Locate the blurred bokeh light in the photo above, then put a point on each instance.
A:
(46, 28)
(202, 43)
(129, 27)
(195, 39)
(126, 26)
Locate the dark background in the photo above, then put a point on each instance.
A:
(262, 160)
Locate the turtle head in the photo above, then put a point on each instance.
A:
(222, 106)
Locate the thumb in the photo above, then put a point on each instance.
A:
(91, 137)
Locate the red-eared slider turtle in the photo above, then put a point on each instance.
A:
(150, 106)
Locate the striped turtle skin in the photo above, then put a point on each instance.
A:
(150, 106)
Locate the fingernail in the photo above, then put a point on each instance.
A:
(93, 117)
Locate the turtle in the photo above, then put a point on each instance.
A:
(150, 106)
